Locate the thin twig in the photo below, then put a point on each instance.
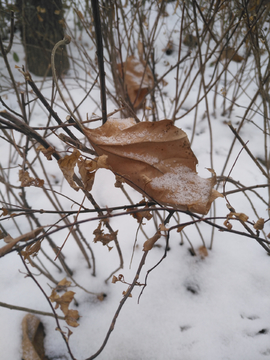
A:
(32, 311)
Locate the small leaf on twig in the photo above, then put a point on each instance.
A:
(64, 301)
(71, 318)
(150, 242)
(259, 225)
(31, 249)
(140, 215)
(26, 180)
(12, 242)
(105, 239)
(5, 212)
(67, 164)
(46, 152)
(162, 227)
(87, 170)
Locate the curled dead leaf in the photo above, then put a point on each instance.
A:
(67, 164)
(155, 158)
(5, 212)
(240, 216)
(87, 170)
(140, 215)
(26, 180)
(31, 249)
(162, 227)
(151, 242)
(105, 239)
(62, 285)
(32, 338)
(12, 242)
(46, 152)
(227, 224)
(259, 225)
(62, 301)
(138, 79)
(71, 318)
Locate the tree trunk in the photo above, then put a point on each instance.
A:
(42, 26)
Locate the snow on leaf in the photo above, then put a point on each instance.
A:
(155, 158)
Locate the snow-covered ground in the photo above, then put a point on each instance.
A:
(194, 307)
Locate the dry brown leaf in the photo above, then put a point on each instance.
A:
(26, 180)
(138, 79)
(32, 249)
(140, 215)
(46, 152)
(5, 212)
(62, 285)
(62, 301)
(151, 242)
(102, 162)
(229, 53)
(12, 242)
(105, 239)
(259, 225)
(155, 158)
(180, 228)
(71, 318)
(32, 338)
(203, 252)
(162, 227)
(140, 49)
(190, 41)
(67, 164)
(227, 224)
(87, 170)
(240, 216)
